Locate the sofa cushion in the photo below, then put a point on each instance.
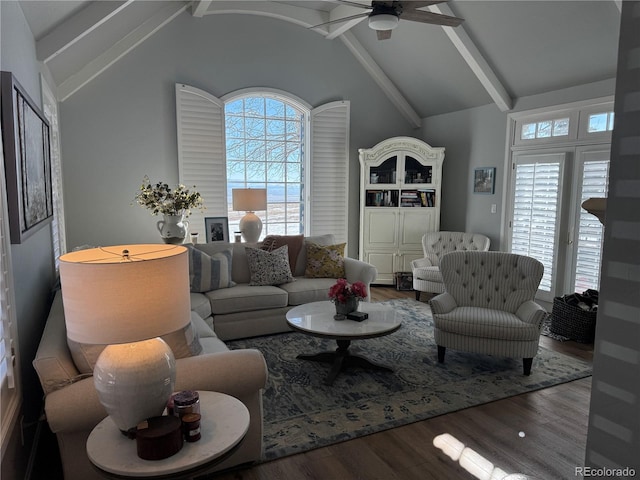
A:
(293, 242)
(269, 268)
(486, 323)
(244, 298)
(325, 261)
(184, 342)
(209, 272)
(307, 290)
(200, 304)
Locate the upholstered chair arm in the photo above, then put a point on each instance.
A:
(239, 373)
(443, 303)
(359, 271)
(421, 263)
(532, 313)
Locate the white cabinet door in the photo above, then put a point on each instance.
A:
(381, 229)
(403, 260)
(385, 264)
(413, 224)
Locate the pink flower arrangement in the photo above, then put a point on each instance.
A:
(342, 291)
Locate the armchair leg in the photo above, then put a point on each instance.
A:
(441, 351)
(526, 364)
(418, 295)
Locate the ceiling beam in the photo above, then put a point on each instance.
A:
(94, 68)
(77, 27)
(199, 7)
(475, 60)
(381, 78)
(305, 17)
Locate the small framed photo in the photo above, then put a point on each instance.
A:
(484, 180)
(217, 229)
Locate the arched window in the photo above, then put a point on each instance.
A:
(267, 139)
(265, 135)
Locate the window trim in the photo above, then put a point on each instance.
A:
(13, 402)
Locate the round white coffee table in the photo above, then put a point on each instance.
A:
(317, 319)
(224, 423)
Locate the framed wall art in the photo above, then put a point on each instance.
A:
(217, 229)
(484, 180)
(25, 136)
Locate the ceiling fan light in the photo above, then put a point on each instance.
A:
(383, 21)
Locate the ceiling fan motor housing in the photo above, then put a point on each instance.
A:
(385, 15)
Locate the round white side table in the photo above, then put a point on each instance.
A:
(224, 423)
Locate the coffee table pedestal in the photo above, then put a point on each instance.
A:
(341, 359)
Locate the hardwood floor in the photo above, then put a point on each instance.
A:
(542, 434)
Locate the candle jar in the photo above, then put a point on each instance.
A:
(191, 427)
(187, 401)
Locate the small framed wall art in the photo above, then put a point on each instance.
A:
(27, 160)
(484, 180)
(217, 229)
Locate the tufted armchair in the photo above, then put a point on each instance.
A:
(426, 271)
(488, 305)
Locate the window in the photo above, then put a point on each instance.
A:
(600, 122)
(550, 177)
(545, 129)
(265, 148)
(315, 150)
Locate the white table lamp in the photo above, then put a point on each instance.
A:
(250, 200)
(126, 297)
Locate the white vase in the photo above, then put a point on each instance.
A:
(173, 229)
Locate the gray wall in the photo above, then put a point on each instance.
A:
(122, 126)
(477, 138)
(33, 266)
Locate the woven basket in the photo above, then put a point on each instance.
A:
(573, 322)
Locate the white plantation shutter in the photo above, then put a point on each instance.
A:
(328, 192)
(536, 210)
(10, 395)
(590, 231)
(201, 151)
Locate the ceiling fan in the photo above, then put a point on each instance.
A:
(385, 15)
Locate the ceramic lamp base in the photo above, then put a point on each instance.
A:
(251, 227)
(135, 380)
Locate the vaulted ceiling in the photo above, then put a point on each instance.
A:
(502, 51)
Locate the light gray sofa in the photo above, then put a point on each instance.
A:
(245, 311)
(72, 407)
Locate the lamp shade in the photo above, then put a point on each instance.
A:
(113, 297)
(249, 199)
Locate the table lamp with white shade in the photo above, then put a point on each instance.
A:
(125, 297)
(250, 200)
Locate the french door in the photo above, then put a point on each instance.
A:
(546, 220)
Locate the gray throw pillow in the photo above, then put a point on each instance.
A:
(269, 268)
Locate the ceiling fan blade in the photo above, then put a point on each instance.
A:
(344, 19)
(383, 34)
(411, 5)
(434, 18)
(356, 4)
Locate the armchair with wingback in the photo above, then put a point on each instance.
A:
(488, 305)
(426, 271)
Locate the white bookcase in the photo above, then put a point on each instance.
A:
(400, 183)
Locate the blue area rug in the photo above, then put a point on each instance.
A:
(301, 413)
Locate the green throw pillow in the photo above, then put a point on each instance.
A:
(325, 261)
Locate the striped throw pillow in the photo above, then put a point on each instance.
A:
(210, 272)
